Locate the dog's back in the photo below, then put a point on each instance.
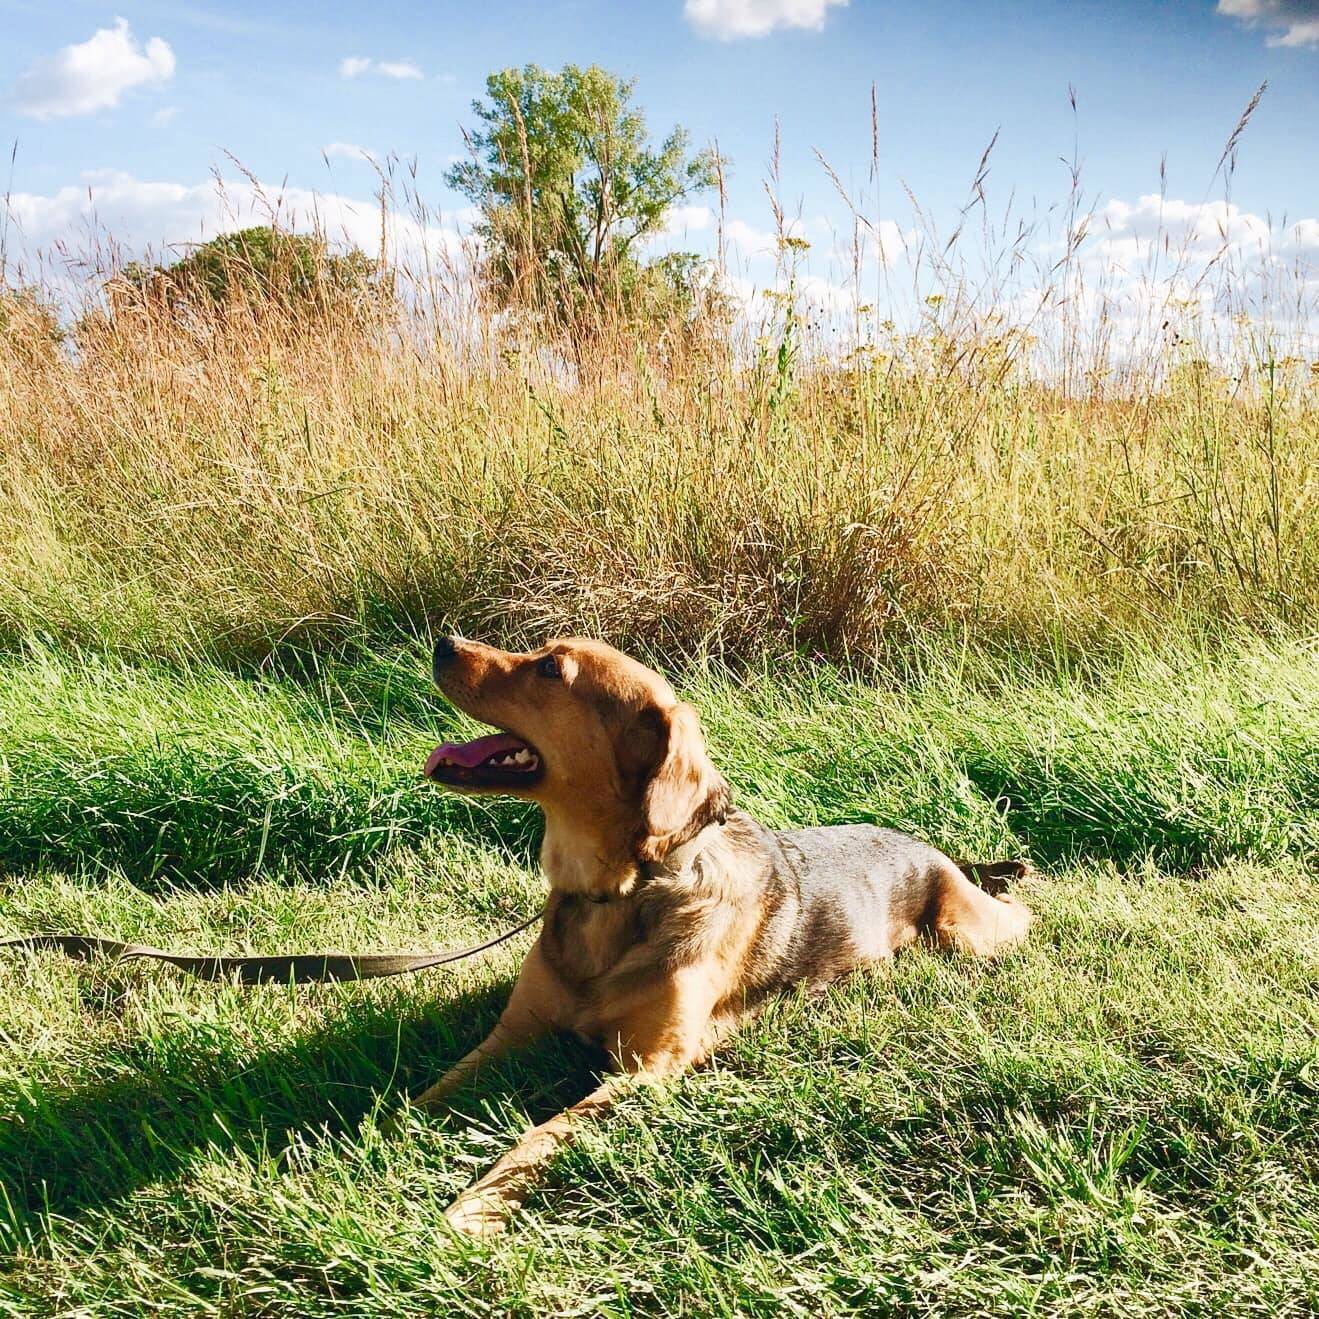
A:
(842, 896)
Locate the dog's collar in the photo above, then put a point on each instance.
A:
(675, 864)
(681, 858)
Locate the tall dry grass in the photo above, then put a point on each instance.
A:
(243, 477)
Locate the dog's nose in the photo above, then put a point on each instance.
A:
(445, 649)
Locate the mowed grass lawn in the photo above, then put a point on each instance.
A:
(1122, 1118)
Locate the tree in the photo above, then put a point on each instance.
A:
(569, 188)
(261, 267)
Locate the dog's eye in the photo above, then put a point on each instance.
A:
(548, 667)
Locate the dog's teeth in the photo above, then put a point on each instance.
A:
(520, 759)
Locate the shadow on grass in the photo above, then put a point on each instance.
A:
(65, 1150)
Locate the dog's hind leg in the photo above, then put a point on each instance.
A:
(984, 921)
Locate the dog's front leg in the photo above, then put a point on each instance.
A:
(484, 1208)
(668, 1030)
(535, 1007)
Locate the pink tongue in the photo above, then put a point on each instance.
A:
(472, 754)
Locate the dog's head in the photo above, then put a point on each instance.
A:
(584, 730)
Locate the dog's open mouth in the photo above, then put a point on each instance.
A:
(499, 760)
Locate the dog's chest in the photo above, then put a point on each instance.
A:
(584, 940)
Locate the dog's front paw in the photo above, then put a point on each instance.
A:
(478, 1215)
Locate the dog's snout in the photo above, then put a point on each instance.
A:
(446, 648)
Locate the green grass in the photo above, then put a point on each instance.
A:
(198, 776)
(1121, 1118)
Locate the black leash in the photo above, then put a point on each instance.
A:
(295, 968)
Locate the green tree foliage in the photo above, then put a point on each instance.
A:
(262, 267)
(570, 187)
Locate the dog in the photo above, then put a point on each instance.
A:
(672, 915)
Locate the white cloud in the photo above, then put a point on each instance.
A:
(731, 19)
(164, 114)
(1141, 264)
(870, 243)
(1288, 22)
(679, 220)
(816, 297)
(1171, 232)
(1303, 239)
(350, 150)
(1155, 265)
(825, 296)
(866, 244)
(751, 242)
(152, 218)
(355, 66)
(92, 75)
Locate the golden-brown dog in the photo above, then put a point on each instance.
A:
(671, 915)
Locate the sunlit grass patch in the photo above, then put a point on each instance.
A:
(1121, 1115)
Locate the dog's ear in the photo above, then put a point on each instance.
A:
(679, 788)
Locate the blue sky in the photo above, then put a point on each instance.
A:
(133, 102)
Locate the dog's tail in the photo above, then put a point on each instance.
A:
(995, 876)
